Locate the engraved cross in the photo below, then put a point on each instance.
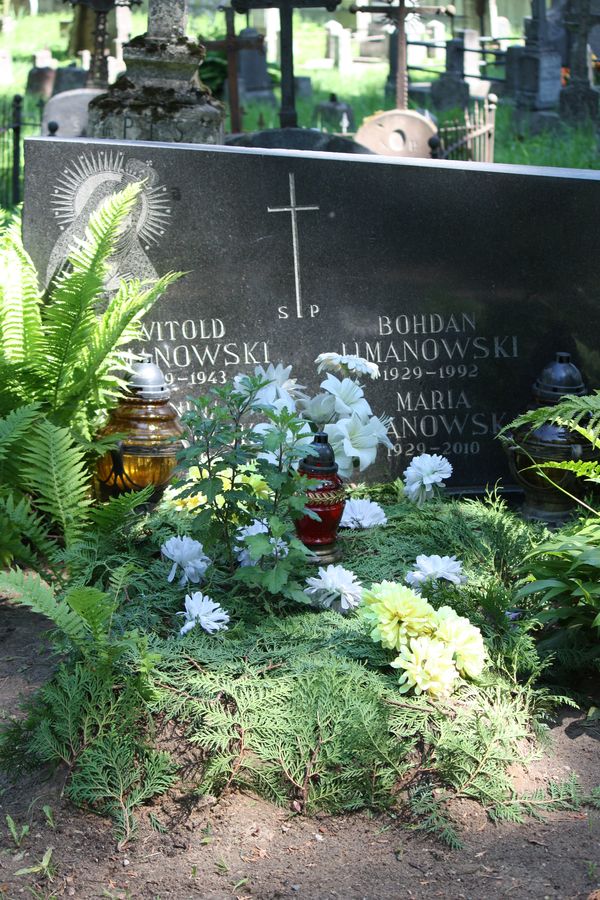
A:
(294, 210)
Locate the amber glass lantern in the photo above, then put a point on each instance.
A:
(326, 500)
(549, 499)
(149, 427)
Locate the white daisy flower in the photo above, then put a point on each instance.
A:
(423, 475)
(334, 587)
(349, 397)
(362, 514)
(201, 610)
(434, 568)
(189, 554)
(242, 551)
(346, 364)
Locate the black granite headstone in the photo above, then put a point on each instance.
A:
(460, 280)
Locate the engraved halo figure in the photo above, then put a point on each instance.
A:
(81, 188)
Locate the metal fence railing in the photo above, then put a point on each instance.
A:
(470, 139)
(16, 123)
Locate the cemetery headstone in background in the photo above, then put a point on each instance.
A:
(459, 280)
(288, 117)
(70, 110)
(579, 100)
(69, 78)
(252, 66)
(6, 68)
(539, 64)
(40, 81)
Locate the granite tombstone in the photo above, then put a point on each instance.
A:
(456, 278)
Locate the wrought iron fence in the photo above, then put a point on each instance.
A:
(17, 121)
(470, 139)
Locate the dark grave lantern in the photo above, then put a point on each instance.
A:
(549, 499)
(327, 500)
(149, 428)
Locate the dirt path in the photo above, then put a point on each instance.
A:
(242, 847)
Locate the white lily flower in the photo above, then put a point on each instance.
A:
(335, 587)
(280, 548)
(433, 568)
(423, 475)
(189, 554)
(346, 364)
(280, 387)
(203, 611)
(362, 514)
(354, 439)
(349, 397)
(319, 409)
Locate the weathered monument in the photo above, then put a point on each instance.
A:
(459, 280)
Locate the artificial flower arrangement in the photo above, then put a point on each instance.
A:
(435, 648)
(341, 409)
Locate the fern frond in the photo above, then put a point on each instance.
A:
(54, 467)
(30, 527)
(110, 516)
(570, 409)
(118, 326)
(29, 590)
(15, 425)
(20, 321)
(69, 315)
(95, 608)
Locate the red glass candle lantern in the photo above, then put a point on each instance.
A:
(327, 500)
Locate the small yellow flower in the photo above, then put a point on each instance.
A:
(428, 667)
(395, 614)
(248, 476)
(463, 638)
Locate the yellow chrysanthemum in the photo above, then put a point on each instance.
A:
(395, 614)
(428, 667)
(259, 487)
(463, 638)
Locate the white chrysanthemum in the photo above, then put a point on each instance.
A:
(201, 610)
(423, 475)
(354, 439)
(428, 667)
(432, 568)
(362, 514)
(334, 586)
(464, 639)
(346, 365)
(318, 409)
(280, 387)
(349, 397)
(189, 554)
(242, 551)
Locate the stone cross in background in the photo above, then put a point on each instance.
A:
(288, 117)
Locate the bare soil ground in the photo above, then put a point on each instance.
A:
(242, 847)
